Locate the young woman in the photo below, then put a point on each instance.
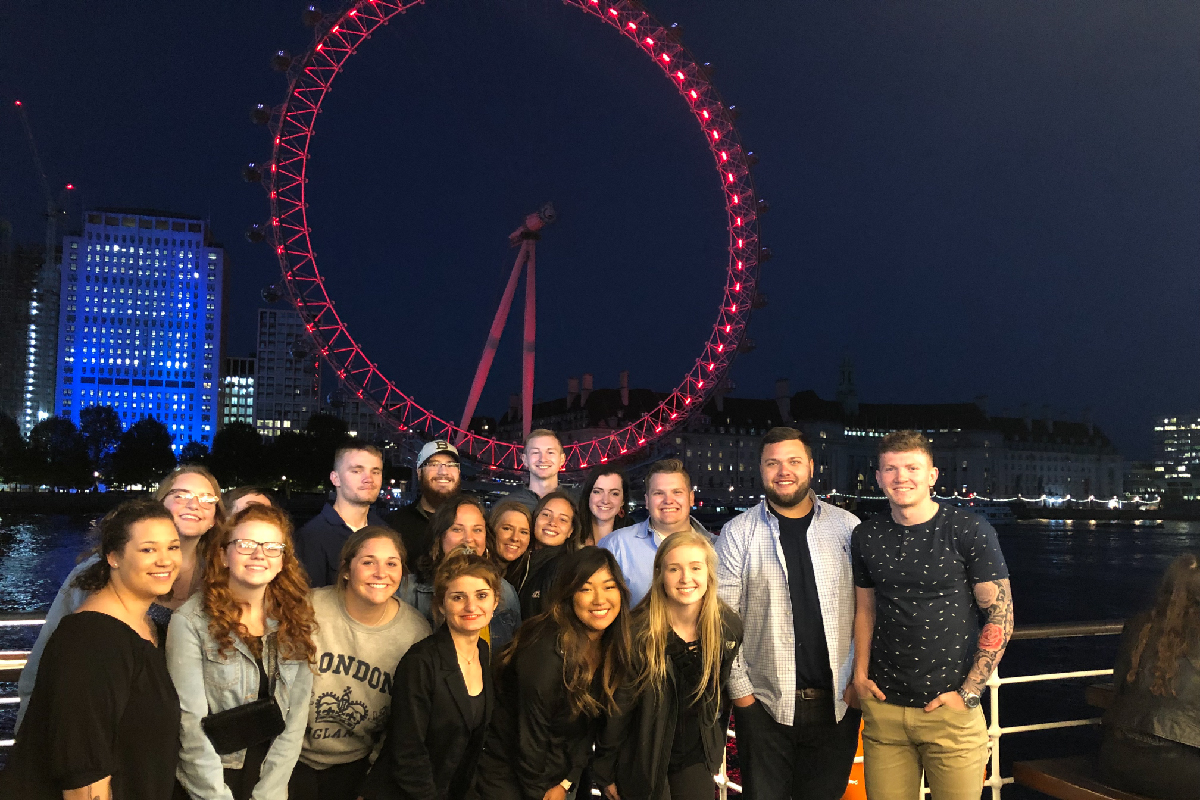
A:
(245, 638)
(459, 520)
(362, 632)
(556, 533)
(193, 497)
(443, 696)
(1151, 741)
(556, 681)
(103, 719)
(509, 527)
(602, 503)
(668, 740)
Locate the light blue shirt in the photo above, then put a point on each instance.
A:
(634, 548)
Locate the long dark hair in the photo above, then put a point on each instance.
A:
(587, 520)
(575, 538)
(439, 523)
(111, 534)
(1174, 622)
(561, 621)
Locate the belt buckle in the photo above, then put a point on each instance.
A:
(809, 694)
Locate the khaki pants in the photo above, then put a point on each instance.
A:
(951, 747)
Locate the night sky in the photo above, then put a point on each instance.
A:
(966, 198)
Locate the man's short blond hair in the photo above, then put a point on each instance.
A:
(540, 433)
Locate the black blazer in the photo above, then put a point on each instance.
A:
(634, 750)
(428, 752)
(534, 591)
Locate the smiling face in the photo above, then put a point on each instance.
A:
(669, 501)
(469, 604)
(906, 478)
(543, 457)
(685, 574)
(375, 571)
(440, 476)
(598, 602)
(151, 559)
(194, 516)
(469, 527)
(607, 497)
(255, 569)
(358, 477)
(512, 535)
(786, 471)
(554, 522)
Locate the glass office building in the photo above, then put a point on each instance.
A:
(140, 321)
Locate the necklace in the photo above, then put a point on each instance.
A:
(467, 661)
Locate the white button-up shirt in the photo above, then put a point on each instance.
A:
(754, 582)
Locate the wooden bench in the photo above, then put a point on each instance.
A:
(1100, 695)
(1067, 779)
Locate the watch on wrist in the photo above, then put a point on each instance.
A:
(969, 698)
(566, 783)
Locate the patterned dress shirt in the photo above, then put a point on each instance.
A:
(754, 583)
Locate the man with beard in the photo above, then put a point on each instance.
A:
(439, 476)
(784, 565)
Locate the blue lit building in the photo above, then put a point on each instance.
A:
(140, 321)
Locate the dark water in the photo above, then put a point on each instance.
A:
(1061, 572)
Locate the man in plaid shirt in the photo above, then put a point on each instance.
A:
(784, 565)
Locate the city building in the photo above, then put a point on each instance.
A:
(1176, 444)
(41, 341)
(19, 268)
(236, 395)
(288, 385)
(141, 320)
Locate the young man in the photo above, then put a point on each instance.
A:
(922, 574)
(784, 566)
(357, 477)
(669, 500)
(543, 457)
(439, 476)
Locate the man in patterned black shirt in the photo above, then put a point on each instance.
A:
(923, 576)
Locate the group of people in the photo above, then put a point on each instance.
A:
(538, 649)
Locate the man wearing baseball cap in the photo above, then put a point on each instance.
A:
(438, 476)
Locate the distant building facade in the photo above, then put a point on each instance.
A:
(237, 391)
(287, 389)
(1177, 444)
(19, 268)
(141, 320)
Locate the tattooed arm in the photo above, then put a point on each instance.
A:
(100, 790)
(994, 599)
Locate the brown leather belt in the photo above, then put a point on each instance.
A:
(812, 694)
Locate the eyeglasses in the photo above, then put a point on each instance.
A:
(450, 466)
(247, 547)
(184, 496)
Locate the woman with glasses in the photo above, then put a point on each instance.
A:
(443, 695)
(103, 721)
(460, 520)
(239, 654)
(509, 527)
(192, 495)
(362, 633)
(602, 503)
(556, 533)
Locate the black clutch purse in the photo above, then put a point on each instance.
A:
(244, 726)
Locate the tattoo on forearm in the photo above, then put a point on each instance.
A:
(994, 599)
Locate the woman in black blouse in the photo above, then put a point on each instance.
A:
(442, 695)
(556, 681)
(103, 720)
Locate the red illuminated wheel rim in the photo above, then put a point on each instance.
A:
(310, 78)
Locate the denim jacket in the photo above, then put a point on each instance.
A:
(209, 682)
(505, 621)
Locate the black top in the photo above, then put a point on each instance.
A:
(435, 731)
(319, 544)
(812, 652)
(686, 747)
(1136, 709)
(534, 592)
(412, 523)
(926, 622)
(533, 743)
(103, 704)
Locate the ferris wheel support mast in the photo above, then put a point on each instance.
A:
(527, 236)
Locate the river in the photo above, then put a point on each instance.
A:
(1061, 572)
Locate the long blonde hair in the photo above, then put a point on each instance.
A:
(652, 625)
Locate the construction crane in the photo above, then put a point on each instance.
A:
(42, 337)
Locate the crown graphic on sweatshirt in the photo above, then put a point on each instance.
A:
(340, 709)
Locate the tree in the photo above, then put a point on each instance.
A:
(14, 454)
(194, 453)
(57, 455)
(291, 454)
(144, 454)
(237, 455)
(100, 427)
(326, 433)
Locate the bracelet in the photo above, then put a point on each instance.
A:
(566, 784)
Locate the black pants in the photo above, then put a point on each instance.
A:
(241, 782)
(1150, 766)
(693, 782)
(809, 760)
(338, 782)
